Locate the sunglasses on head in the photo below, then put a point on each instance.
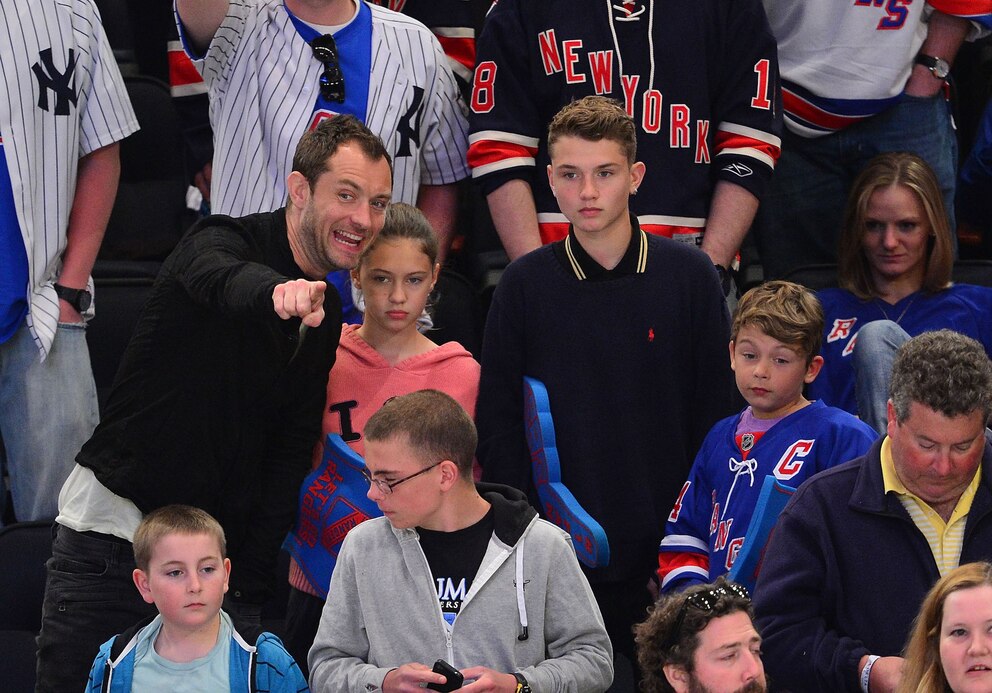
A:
(704, 601)
(331, 80)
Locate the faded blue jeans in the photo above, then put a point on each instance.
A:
(47, 411)
(874, 353)
(800, 216)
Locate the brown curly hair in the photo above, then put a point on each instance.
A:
(658, 644)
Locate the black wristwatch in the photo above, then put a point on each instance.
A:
(522, 685)
(938, 67)
(79, 299)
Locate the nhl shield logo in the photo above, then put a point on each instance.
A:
(747, 442)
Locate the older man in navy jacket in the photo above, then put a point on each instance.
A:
(858, 546)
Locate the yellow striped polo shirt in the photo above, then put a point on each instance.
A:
(944, 538)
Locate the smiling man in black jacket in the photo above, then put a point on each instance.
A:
(218, 397)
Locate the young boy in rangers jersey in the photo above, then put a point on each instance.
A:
(775, 339)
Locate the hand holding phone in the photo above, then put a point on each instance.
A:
(454, 677)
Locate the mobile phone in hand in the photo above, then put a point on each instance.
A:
(455, 678)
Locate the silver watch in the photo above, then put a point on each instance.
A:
(938, 67)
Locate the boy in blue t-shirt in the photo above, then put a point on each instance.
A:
(775, 339)
(182, 568)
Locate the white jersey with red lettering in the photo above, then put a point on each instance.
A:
(706, 527)
(700, 79)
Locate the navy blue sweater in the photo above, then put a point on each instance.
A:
(637, 372)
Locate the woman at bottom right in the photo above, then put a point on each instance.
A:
(950, 647)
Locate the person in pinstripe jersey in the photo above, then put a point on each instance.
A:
(274, 69)
(63, 109)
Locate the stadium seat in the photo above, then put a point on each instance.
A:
(149, 214)
(121, 289)
(24, 549)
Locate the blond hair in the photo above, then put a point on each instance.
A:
(923, 672)
(883, 171)
(174, 519)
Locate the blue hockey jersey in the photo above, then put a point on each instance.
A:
(963, 308)
(706, 527)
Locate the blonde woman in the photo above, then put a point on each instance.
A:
(950, 648)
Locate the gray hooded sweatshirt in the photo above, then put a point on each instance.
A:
(529, 609)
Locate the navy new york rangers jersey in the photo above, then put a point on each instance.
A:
(706, 527)
(700, 79)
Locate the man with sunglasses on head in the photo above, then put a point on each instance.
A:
(455, 571)
(702, 640)
(275, 68)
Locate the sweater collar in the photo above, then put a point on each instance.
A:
(573, 257)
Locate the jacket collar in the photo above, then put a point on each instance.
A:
(869, 494)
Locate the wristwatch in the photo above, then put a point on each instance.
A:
(522, 685)
(938, 66)
(79, 299)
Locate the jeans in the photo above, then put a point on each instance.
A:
(89, 598)
(799, 220)
(874, 354)
(47, 411)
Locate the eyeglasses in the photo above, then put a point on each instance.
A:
(331, 81)
(704, 601)
(385, 487)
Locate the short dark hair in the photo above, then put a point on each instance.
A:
(173, 519)
(435, 425)
(944, 371)
(595, 118)
(784, 311)
(658, 644)
(318, 145)
(883, 171)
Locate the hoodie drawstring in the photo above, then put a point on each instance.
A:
(521, 604)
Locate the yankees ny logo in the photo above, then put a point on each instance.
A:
(61, 83)
(406, 132)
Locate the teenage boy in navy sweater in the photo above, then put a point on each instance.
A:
(628, 332)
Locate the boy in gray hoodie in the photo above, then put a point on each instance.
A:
(455, 570)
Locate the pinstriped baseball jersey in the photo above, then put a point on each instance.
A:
(453, 22)
(263, 81)
(61, 97)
